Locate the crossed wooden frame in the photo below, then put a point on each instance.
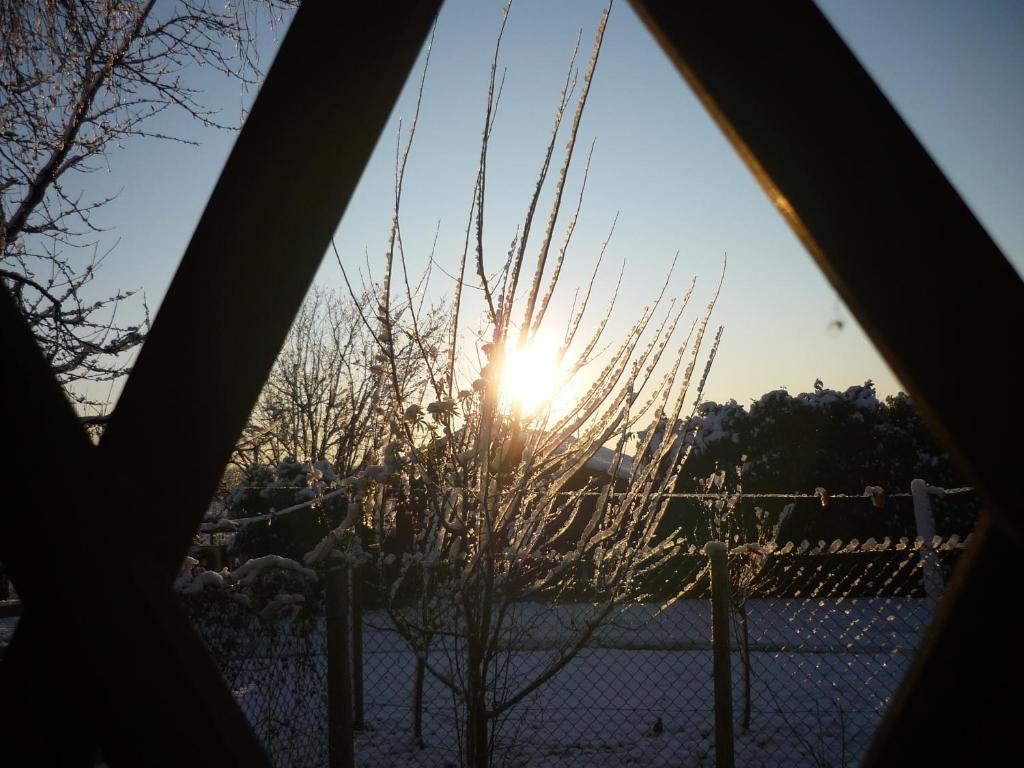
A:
(104, 657)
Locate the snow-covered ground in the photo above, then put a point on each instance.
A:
(603, 710)
(823, 672)
(7, 625)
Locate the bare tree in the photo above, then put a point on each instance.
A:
(323, 392)
(486, 488)
(77, 80)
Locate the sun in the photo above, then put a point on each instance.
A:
(532, 376)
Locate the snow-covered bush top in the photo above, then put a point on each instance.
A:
(272, 586)
(839, 439)
(265, 488)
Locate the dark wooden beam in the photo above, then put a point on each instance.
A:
(105, 650)
(922, 277)
(104, 656)
(891, 234)
(954, 706)
(46, 451)
(252, 258)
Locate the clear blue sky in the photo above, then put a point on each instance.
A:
(953, 69)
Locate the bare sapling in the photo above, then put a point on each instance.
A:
(475, 494)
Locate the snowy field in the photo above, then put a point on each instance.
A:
(823, 674)
(7, 625)
(603, 709)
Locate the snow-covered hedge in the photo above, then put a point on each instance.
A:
(843, 440)
(265, 490)
(271, 587)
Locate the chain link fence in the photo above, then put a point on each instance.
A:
(277, 668)
(820, 637)
(639, 676)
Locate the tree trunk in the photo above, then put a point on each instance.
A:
(477, 752)
(741, 609)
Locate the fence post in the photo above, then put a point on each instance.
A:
(724, 749)
(339, 682)
(356, 576)
(931, 575)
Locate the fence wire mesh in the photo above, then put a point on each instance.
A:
(636, 678)
(277, 669)
(821, 636)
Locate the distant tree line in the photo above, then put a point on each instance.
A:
(838, 440)
(842, 441)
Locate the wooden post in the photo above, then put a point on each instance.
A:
(417, 703)
(339, 681)
(934, 585)
(356, 582)
(724, 748)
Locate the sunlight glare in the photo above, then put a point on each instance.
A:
(532, 375)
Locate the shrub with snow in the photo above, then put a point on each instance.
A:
(271, 587)
(265, 490)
